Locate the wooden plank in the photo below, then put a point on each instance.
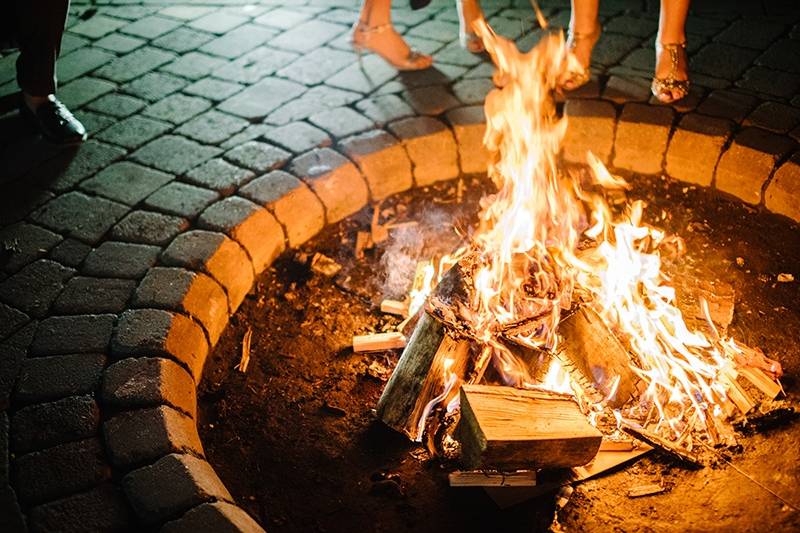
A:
(375, 342)
(760, 379)
(394, 307)
(492, 478)
(507, 428)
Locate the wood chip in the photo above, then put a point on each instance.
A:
(245, 359)
(322, 264)
(492, 478)
(394, 307)
(376, 342)
(647, 489)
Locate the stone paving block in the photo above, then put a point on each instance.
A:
(67, 169)
(335, 180)
(174, 154)
(5, 470)
(93, 122)
(69, 42)
(212, 127)
(238, 41)
(43, 379)
(641, 138)
(219, 517)
(254, 65)
(120, 260)
(11, 320)
(748, 163)
(635, 26)
(133, 131)
(81, 61)
(177, 108)
(182, 40)
(781, 194)
(283, 18)
(250, 133)
(116, 105)
(34, 288)
(161, 333)
(78, 92)
(213, 89)
(384, 109)
(171, 486)
(193, 65)
(695, 148)
(782, 55)
(103, 508)
(186, 12)
(728, 104)
(253, 227)
(297, 208)
(97, 26)
(313, 101)
(58, 335)
(43, 425)
(257, 156)
(60, 471)
(126, 182)
(469, 126)
(129, 12)
(341, 121)
(454, 54)
(433, 100)
(13, 350)
(298, 137)
(83, 295)
(751, 33)
(383, 162)
(154, 86)
(774, 116)
(259, 100)
(437, 30)
(120, 43)
(70, 252)
(611, 48)
(134, 64)
(218, 22)
(181, 199)
(191, 293)
(431, 146)
(151, 27)
(628, 89)
(149, 382)
(137, 437)
(308, 36)
(362, 76)
(219, 175)
(23, 243)
(318, 67)
(771, 82)
(148, 227)
(473, 91)
(722, 60)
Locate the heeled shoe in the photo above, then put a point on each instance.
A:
(581, 77)
(466, 35)
(665, 89)
(366, 38)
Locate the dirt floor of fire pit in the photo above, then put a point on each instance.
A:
(296, 441)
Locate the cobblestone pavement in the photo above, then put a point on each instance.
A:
(223, 133)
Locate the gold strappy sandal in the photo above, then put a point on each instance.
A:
(364, 38)
(580, 78)
(664, 88)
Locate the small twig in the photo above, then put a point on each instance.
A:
(245, 360)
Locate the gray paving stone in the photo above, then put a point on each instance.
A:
(151, 27)
(218, 22)
(311, 102)
(212, 127)
(611, 48)
(129, 12)
(34, 288)
(254, 65)
(385, 109)
(174, 154)
(298, 137)
(177, 108)
(257, 156)
(69, 42)
(126, 182)
(133, 65)
(80, 62)
(13, 350)
(751, 33)
(473, 91)
(120, 260)
(436, 29)
(44, 379)
(11, 320)
(186, 12)
(238, 41)
(704, 26)
(628, 89)
(635, 26)
(171, 486)
(76, 215)
(728, 104)
(722, 60)
(60, 471)
(133, 131)
(120, 43)
(116, 105)
(308, 36)
(43, 425)
(218, 516)
(154, 86)
(83, 295)
(213, 89)
(78, 92)
(283, 18)
(67, 169)
(93, 122)
(70, 252)
(193, 65)
(148, 227)
(57, 335)
(341, 122)
(772, 82)
(783, 55)
(137, 437)
(183, 40)
(774, 116)
(219, 175)
(250, 133)
(103, 508)
(23, 243)
(5, 469)
(181, 199)
(149, 382)
(364, 76)
(454, 54)
(317, 67)
(97, 26)
(433, 100)
(257, 101)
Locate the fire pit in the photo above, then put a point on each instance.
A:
(548, 349)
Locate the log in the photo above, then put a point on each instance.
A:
(376, 342)
(597, 354)
(507, 428)
(492, 478)
(420, 374)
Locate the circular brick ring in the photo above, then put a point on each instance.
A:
(180, 308)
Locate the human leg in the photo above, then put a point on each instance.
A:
(469, 11)
(671, 80)
(584, 31)
(374, 31)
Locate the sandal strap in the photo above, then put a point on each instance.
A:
(573, 37)
(363, 27)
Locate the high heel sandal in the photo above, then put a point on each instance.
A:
(581, 77)
(466, 34)
(365, 37)
(664, 88)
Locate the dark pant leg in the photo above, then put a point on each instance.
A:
(40, 25)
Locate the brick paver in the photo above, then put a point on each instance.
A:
(222, 133)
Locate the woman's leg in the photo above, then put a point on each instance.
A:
(672, 30)
(469, 11)
(583, 27)
(374, 31)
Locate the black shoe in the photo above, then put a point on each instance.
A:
(55, 122)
